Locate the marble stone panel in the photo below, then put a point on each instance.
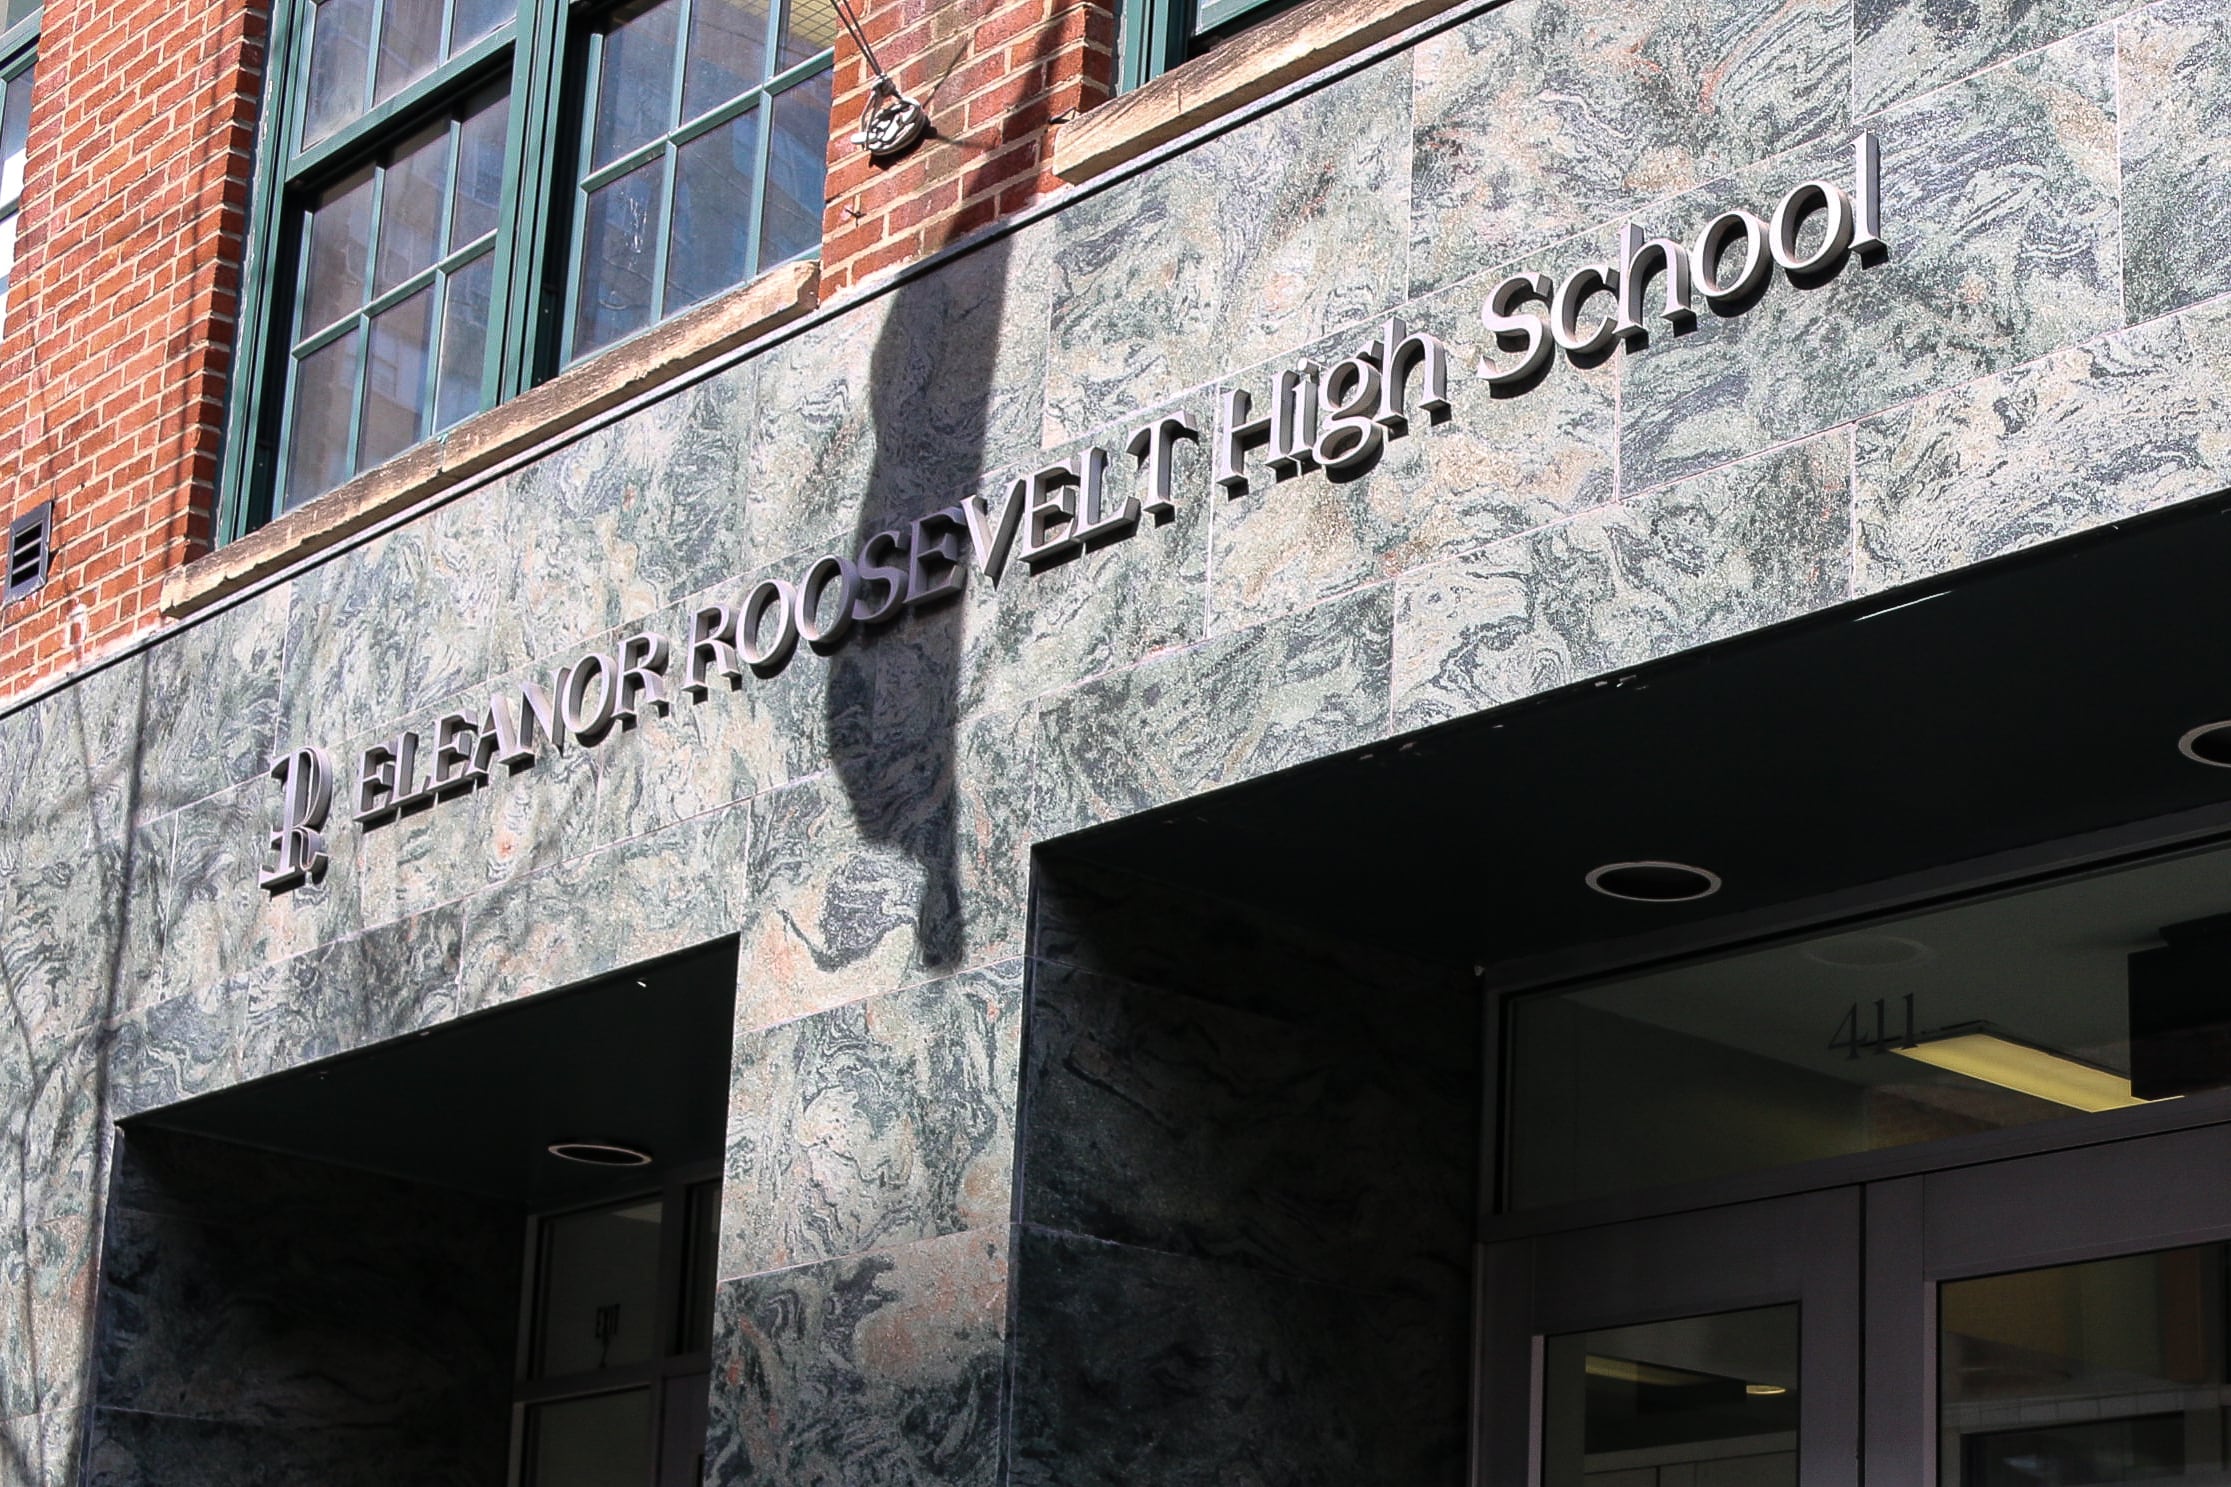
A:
(1540, 119)
(212, 703)
(2174, 72)
(1134, 1367)
(1241, 705)
(877, 1123)
(1999, 203)
(905, 860)
(353, 992)
(44, 1450)
(1278, 1139)
(132, 1448)
(1272, 236)
(281, 1327)
(2126, 424)
(1123, 927)
(1908, 47)
(882, 1370)
(397, 624)
(652, 895)
(896, 407)
(197, 915)
(998, 645)
(61, 1101)
(1497, 466)
(68, 885)
(46, 1316)
(1758, 542)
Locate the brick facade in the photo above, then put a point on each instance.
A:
(995, 87)
(112, 383)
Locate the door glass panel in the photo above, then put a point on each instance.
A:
(1708, 1401)
(600, 1289)
(2106, 1372)
(2082, 996)
(601, 1441)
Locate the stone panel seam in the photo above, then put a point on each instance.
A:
(954, 973)
(850, 1256)
(1860, 121)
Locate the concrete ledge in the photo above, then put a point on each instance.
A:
(1258, 61)
(606, 380)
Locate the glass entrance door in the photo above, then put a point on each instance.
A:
(2062, 1319)
(1710, 1349)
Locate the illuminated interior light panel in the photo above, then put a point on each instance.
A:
(2026, 1070)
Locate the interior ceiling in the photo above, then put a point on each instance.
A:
(640, 1058)
(2035, 698)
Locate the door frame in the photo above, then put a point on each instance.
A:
(1803, 1248)
(1864, 1261)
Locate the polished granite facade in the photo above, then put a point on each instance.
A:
(927, 1276)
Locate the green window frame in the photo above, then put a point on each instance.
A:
(417, 250)
(19, 55)
(1154, 36)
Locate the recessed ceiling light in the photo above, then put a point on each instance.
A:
(600, 1153)
(1867, 952)
(1654, 882)
(2210, 743)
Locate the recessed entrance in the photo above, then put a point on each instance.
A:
(1899, 1157)
(376, 1259)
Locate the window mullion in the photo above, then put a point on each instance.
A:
(530, 155)
(453, 75)
(663, 227)
(762, 157)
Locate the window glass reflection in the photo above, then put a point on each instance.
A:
(599, 1290)
(2105, 1372)
(1987, 1015)
(1707, 1401)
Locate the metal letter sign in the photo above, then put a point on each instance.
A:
(305, 794)
(1337, 419)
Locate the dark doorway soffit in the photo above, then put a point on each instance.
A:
(640, 1057)
(2032, 699)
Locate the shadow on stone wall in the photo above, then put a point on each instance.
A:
(932, 385)
(1249, 1168)
(266, 1318)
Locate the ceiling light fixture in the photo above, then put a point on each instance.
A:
(600, 1153)
(2210, 744)
(1765, 1391)
(1654, 882)
(2027, 1070)
(1635, 1371)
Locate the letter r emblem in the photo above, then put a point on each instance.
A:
(305, 794)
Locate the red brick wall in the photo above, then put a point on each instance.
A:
(120, 317)
(995, 80)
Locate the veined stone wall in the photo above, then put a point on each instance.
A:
(2044, 348)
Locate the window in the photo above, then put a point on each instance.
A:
(1159, 34)
(462, 196)
(618, 1344)
(17, 35)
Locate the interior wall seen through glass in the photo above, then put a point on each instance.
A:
(1708, 1401)
(1986, 1015)
(2109, 1372)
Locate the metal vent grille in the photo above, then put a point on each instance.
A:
(30, 551)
